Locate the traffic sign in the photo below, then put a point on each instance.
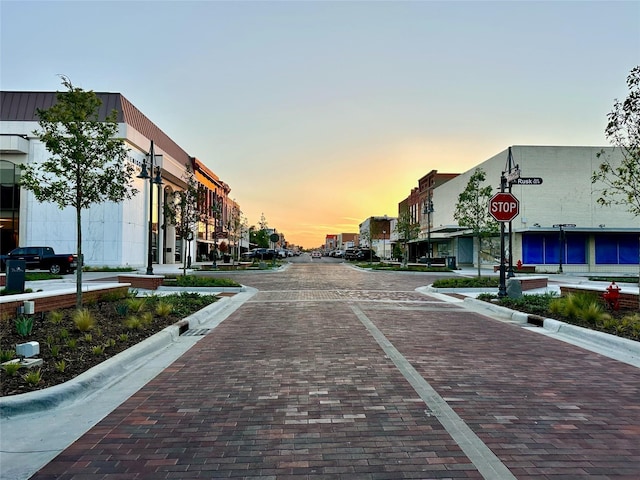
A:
(504, 207)
(527, 181)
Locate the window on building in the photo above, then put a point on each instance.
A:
(622, 249)
(544, 248)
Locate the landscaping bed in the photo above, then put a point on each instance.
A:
(69, 348)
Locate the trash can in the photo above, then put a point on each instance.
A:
(451, 263)
(15, 275)
(226, 258)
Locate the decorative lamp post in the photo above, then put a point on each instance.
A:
(157, 180)
(428, 210)
(216, 210)
(384, 244)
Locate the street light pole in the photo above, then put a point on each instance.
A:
(384, 245)
(428, 210)
(144, 174)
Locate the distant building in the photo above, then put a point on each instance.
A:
(375, 233)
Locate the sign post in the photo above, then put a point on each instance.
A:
(561, 226)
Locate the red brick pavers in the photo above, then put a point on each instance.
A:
(292, 385)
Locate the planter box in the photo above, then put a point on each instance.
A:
(56, 299)
(147, 282)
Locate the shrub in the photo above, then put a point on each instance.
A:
(163, 309)
(61, 366)
(83, 320)
(55, 350)
(6, 355)
(72, 343)
(122, 309)
(24, 325)
(146, 318)
(133, 323)
(11, 368)
(123, 337)
(466, 282)
(98, 350)
(88, 338)
(33, 377)
(63, 334)
(195, 281)
(112, 296)
(136, 305)
(55, 317)
(110, 343)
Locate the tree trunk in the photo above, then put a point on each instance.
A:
(479, 254)
(80, 258)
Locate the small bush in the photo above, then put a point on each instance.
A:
(136, 305)
(6, 355)
(55, 350)
(122, 309)
(466, 282)
(133, 323)
(98, 350)
(110, 343)
(72, 343)
(163, 309)
(11, 368)
(55, 317)
(83, 320)
(146, 319)
(88, 338)
(63, 334)
(61, 366)
(24, 325)
(123, 337)
(33, 377)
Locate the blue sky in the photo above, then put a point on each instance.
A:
(320, 114)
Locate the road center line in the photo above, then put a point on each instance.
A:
(487, 463)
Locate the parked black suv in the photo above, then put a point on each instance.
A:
(366, 255)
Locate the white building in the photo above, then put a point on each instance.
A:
(604, 239)
(114, 234)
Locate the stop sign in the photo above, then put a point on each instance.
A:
(504, 207)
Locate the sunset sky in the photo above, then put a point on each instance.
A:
(320, 114)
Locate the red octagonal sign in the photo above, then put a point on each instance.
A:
(504, 207)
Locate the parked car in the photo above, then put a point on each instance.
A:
(316, 254)
(350, 253)
(338, 254)
(41, 258)
(366, 255)
(260, 254)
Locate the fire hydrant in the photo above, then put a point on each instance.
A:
(519, 264)
(612, 296)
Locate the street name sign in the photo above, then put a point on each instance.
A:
(504, 207)
(527, 181)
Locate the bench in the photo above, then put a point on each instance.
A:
(531, 283)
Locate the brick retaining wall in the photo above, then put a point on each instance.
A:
(148, 282)
(627, 301)
(47, 301)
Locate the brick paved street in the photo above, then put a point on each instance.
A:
(329, 372)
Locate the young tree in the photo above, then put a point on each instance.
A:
(622, 181)
(182, 211)
(472, 210)
(407, 230)
(88, 163)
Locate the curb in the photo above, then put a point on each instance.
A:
(112, 369)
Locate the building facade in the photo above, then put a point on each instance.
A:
(560, 222)
(114, 234)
